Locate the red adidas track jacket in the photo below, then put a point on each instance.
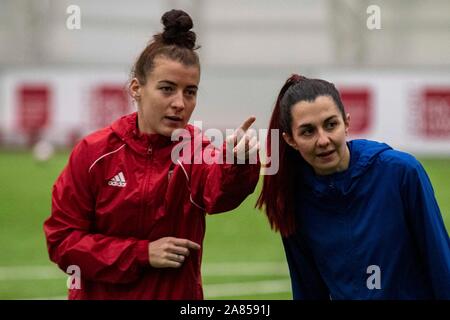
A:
(119, 191)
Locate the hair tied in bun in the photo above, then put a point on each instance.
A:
(177, 26)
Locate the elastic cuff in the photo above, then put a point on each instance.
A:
(142, 252)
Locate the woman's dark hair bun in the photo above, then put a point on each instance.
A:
(177, 26)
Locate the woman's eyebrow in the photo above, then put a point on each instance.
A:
(193, 86)
(305, 125)
(167, 82)
(309, 125)
(330, 118)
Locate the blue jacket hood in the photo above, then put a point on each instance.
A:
(363, 154)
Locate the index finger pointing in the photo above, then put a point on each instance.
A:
(247, 123)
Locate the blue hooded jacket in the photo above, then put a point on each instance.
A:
(373, 231)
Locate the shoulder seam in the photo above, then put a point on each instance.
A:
(101, 157)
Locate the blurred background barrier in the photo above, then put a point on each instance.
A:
(64, 69)
(64, 72)
(408, 110)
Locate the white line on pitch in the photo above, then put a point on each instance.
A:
(233, 289)
(210, 269)
(245, 268)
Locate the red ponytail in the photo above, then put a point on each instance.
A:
(277, 195)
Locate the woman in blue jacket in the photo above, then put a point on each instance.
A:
(358, 219)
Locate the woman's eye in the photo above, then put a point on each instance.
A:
(306, 132)
(331, 125)
(192, 92)
(166, 89)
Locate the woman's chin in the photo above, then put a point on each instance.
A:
(168, 130)
(324, 169)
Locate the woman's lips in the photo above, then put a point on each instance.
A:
(173, 121)
(173, 118)
(326, 155)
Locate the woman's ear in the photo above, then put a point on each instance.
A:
(288, 139)
(347, 123)
(135, 89)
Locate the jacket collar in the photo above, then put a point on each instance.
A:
(363, 153)
(127, 130)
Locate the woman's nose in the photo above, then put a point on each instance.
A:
(323, 140)
(178, 101)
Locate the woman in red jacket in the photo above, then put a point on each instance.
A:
(126, 214)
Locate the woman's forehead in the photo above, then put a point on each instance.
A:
(170, 70)
(318, 110)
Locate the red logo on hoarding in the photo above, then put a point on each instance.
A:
(435, 113)
(109, 103)
(33, 107)
(358, 103)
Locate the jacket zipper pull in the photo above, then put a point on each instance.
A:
(150, 151)
(331, 184)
